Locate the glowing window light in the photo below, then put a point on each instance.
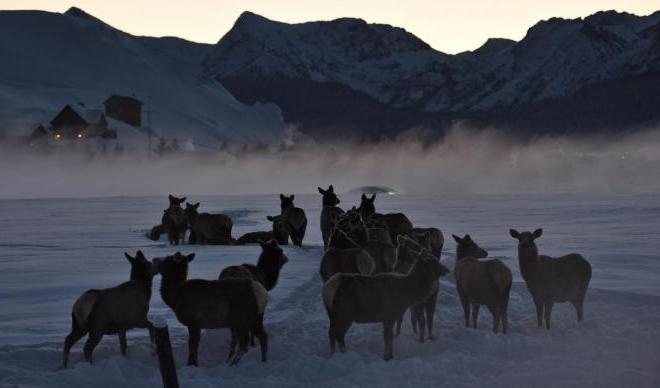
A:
(80, 136)
(58, 136)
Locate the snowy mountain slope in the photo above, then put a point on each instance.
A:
(396, 70)
(50, 60)
(555, 58)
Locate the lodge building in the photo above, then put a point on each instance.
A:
(76, 121)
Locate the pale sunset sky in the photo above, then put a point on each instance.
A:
(448, 26)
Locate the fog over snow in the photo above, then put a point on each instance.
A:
(465, 161)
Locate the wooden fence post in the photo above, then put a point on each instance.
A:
(164, 350)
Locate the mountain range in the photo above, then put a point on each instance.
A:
(341, 78)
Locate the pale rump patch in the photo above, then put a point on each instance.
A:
(83, 307)
(330, 290)
(261, 295)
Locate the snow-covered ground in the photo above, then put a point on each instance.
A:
(53, 250)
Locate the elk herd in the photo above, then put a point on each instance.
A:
(374, 268)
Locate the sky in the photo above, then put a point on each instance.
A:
(449, 26)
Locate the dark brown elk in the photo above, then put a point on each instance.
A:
(481, 283)
(432, 238)
(267, 272)
(294, 218)
(116, 310)
(345, 256)
(206, 228)
(422, 313)
(552, 280)
(237, 304)
(350, 298)
(173, 222)
(279, 232)
(396, 223)
(355, 229)
(329, 214)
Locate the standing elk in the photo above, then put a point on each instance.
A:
(552, 280)
(294, 219)
(329, 214)
(237, 304)
(481, 283)
(107, 311)
(384, 297)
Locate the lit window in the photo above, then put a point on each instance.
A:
(57, 136)
(80, 136)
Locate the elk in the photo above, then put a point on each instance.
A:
(294, 218)
(173, 222)
(432, 238)
(396, 223)
(345, 256)
(422, 313)
(116, 310)
(552, 279)
(206, 228)
(279, 233)
(382, 298)
(329, 214)
(481, 283)
(237, 304)
(267, 272)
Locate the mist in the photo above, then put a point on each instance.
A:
(464, 161)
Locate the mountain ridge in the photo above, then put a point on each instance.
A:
(340, 78)
(402, 75)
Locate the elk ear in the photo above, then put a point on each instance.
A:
(321, 190)
(170, 197)
(537, 233)
(129, 258)
(282, 197)
(456, 238)
(514, 233)
(292, 196)
(364, 197)
(273, 243)
(467, 237)
(140, 255)
(331, 189)
(190, 257)
(373, 197)
(262, 243)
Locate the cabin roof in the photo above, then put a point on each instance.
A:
(91, 116)
(115, 98)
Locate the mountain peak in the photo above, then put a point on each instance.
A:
(610, 18)
(252, 20)
(80, 14)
